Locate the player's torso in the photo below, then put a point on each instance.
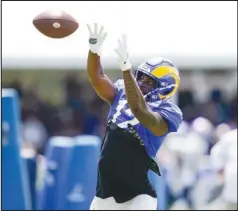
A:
(120, 113)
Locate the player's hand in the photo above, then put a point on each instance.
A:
(96, 38)
(123, 54)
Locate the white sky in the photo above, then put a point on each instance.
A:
(153, 28)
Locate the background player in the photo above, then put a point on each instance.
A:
(224, 161)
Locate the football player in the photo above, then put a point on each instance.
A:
(223, 159)
(141, 115)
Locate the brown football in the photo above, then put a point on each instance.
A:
(55, 24)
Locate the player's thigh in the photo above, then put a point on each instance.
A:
(141, 202)
(104, 204)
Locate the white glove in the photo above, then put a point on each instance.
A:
(96, 38)
(122, 52)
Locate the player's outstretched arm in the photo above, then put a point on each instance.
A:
(100, 82)
(153, 121)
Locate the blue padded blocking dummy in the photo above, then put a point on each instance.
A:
(15, 182)
(82, 173)
(160, 187)
(30, 158)
(57, 157)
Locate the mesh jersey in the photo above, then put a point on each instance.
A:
(121, 114)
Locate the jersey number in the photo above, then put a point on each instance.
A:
(122, 108)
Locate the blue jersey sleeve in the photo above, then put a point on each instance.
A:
(119, 84)
(172, 114)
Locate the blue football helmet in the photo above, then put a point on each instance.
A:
(164, 73)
